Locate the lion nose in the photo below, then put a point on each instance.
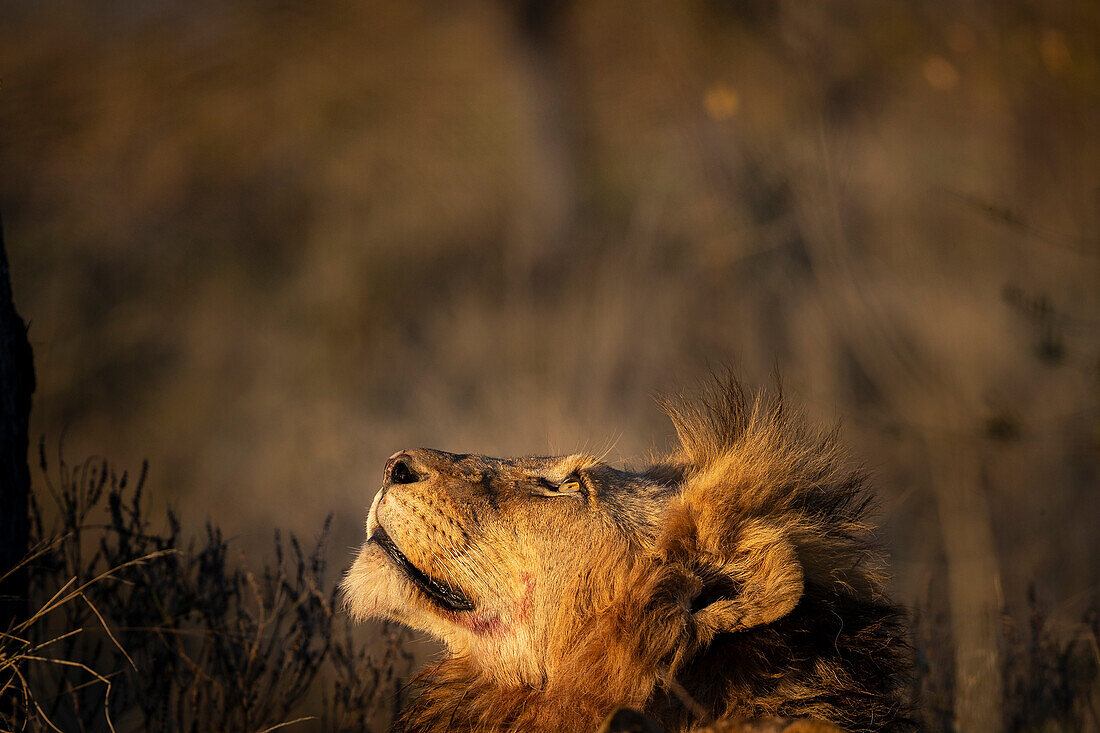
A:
(400, 469)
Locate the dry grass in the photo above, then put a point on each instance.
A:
(139, 630)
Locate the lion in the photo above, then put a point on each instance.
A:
(733, 579)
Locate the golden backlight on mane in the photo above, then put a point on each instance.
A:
(732, 579)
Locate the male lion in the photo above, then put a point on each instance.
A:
(733, 579)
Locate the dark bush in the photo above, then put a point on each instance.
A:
(1051, 673)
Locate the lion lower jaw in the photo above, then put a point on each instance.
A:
(449, 598)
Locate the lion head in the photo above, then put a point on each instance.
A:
(731, 579)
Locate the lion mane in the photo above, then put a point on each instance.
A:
(761, 597)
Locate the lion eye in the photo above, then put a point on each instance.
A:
(570, 485)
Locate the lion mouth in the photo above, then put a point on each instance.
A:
(446, 596)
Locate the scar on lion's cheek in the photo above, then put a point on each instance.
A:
(487, 624)
(481, 623)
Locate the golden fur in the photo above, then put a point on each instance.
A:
(733, 579)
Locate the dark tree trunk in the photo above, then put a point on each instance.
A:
(16, 387)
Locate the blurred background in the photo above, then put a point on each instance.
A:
(266, 245)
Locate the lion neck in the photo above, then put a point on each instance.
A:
(592, 663)
(455, 695)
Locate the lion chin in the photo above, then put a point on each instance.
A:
(732, 583)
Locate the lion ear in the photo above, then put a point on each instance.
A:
(758, 582)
